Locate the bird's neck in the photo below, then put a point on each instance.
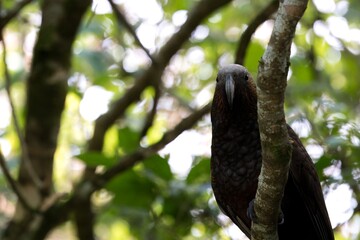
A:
(242, 118)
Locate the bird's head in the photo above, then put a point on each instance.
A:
(235, 93)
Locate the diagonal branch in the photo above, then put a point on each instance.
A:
(153, 74)
(86, 187)
(5, 19)
(123, 21)
(13, 184)
(142, 153)
(245, 38)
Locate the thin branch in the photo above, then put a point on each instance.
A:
(46, 91)
(86, 187)
(142, 153)
(84, 220)
(13, 184)
(123, 21)
(151, 115)
(254, 24)
(12, 13)
(34, 177)
(181, 101)
(153, 74)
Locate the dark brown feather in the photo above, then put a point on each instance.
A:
(236, 163)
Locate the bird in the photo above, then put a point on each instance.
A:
(236, 160)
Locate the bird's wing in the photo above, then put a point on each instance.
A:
(305, 178)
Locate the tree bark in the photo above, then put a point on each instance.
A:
(276, 148)
(46, 92)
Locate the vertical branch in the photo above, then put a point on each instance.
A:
(276, 148)
(123, 21)
(151, 115)
(12, 183)
(46, 91)
(28, 165)
(30, 169)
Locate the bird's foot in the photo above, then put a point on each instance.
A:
(281, 218)
(251, 213)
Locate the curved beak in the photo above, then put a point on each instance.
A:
(230, 89)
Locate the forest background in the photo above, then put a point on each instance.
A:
(106, 132)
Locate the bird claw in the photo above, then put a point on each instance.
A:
(251, 213)
(281, 218)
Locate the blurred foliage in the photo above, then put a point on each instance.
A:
(153, 200)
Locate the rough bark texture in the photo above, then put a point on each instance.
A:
(46, 92)
(276, 148)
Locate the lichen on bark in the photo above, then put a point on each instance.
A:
(276, 148)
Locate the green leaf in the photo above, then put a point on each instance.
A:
(199, 173)
(132, 190)
(254, 53)
(335, 141)
(159, 166)
(93, 159)
(323, 162)
(177, 205)
(302, 71)
(128, 139)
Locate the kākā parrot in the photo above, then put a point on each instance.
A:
(236, 163)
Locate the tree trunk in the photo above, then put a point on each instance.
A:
(276, 148)
(46, 92)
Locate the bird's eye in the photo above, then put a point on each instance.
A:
(246, 77)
